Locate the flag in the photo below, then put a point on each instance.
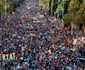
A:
(22, 17)
(77, 42)
(32, 34)
(9, 17)
(40, 58)
(53, 46)
(52, 31)
(49, 52)
(1, 53)
(35, 18)
(69, 41)
(53, 40)
(75, 27)
(31, 27)
(23, 38)
(56, 39)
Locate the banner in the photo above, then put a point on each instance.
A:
(8, 56)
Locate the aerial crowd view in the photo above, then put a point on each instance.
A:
(35, 36)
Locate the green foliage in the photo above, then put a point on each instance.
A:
(9, 5)
(77, 10)
(59, 7)
(68, 18)
(80, 15)
(3, 6)
(43, 3)
(73, 7)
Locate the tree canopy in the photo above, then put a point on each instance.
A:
(77, 9)
(3, 6)
(9, 5)
(72, 11)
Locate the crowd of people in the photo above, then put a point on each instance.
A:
(39, 42)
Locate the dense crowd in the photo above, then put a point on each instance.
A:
(39, 42)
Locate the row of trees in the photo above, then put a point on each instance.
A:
(72, 11)
(9, 5)
(76, 13)
(58, 7)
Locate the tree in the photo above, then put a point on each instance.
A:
(58, 7)
(3, 6)
(52, 3)
(68, 18)
(52, 6)
(43, 3)
(80, 15)
(73, 7)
